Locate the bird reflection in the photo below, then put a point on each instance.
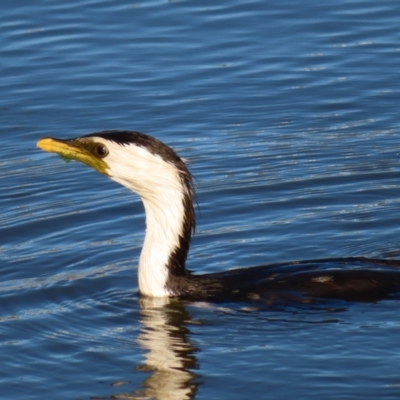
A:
(170, 355)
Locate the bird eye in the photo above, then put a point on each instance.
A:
(101, 150)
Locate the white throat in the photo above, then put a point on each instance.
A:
(159, 185)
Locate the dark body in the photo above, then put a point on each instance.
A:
(348, 279)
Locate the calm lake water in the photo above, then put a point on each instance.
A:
(288, 114)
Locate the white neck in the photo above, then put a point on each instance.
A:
(164, 220)
(159, 185)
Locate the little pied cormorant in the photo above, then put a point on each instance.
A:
(161, 178)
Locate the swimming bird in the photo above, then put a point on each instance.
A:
(161, 178)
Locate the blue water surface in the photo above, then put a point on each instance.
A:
(288, 115)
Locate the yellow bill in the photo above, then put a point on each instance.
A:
(82, 150)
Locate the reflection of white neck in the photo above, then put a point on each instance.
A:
(159, 185)
(169, 380)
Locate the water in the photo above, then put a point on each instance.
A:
(288, 113)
